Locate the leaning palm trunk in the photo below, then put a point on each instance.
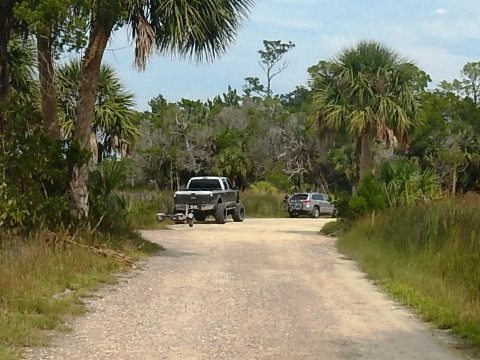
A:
(90, 73)
(366, 157)
(48, 92)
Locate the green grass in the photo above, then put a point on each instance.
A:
(143, 205)
(335, 228)
(428, 257)
(260, 204)
(42, 285)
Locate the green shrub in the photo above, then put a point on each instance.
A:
(280, 180)
(405, 182)
(263, 187)
(108, 208)
(369, 197)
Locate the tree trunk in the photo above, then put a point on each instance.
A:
(90, 74)
(6, 23)
(366, 156)
(48, 92)
(454, 180)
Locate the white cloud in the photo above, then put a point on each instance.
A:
(441, 11)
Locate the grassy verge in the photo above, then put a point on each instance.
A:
(428, 257)
(42, 285)
(335, 228)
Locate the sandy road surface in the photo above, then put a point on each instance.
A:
(262, 289)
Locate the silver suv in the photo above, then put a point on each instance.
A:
(311, 203)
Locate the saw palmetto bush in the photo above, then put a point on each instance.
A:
(405, 182)
(108, 208)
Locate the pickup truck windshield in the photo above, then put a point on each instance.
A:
(204, 184)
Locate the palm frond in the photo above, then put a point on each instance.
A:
(201, 30)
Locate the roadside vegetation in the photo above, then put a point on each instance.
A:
(426, 256)
(44, 279)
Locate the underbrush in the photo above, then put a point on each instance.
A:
(259, 204)
(143, 205)
(43, 280)
(427, 256)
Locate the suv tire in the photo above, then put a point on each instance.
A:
(316, 212)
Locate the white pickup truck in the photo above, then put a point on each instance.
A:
(206, 196)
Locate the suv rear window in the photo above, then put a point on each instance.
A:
(299, 197)
(204, 184)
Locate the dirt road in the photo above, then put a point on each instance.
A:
(262, 289)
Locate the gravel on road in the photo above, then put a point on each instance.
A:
(261, 289)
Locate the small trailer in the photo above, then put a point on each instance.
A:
(177, 218)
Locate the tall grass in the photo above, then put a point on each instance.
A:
(263, 204)
(427, 256)
(41, 284)
(143, 205)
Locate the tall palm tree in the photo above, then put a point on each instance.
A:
(188, 28)
(370, 90)
(113, 130)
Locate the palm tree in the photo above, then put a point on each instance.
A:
(370, 90)
(187, 28)
(114, 129)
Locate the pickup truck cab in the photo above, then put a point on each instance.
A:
(209, 196)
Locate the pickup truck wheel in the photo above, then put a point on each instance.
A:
(239, 213)
(220, 214)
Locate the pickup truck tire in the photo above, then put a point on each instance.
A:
(220, 213)
(239, 213)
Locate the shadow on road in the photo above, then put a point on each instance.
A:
(176, 253)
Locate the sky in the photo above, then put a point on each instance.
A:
(438, 35)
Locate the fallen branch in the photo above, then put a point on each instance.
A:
(102, 250)
(106, 252)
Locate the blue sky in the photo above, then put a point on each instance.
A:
(440, 36)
